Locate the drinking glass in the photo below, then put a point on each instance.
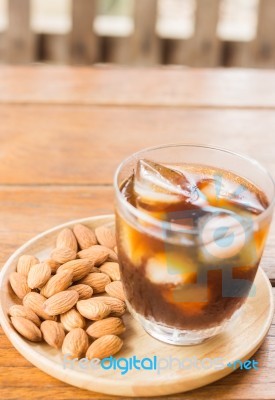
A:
(185, 282)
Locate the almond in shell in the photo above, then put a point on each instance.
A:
(60, 302)
(97, 254)
(112, 256)
(25, 262)
(79, 268)
(97, 281)
(106, 236)
(19, 284)
(63, 255)
(103, 347)
(107, 326)
(115, 289)
(66, 239)
(75, 343)
(35, 302)
(84, 291)
(54, 265)
(118, 307)
(24, 312)
(93, 309)
(57, 283)
(53, 333)
(39, 275)
(72, 319)
(27, 329)
(85, 236)
(111, 269)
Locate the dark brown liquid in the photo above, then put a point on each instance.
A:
(180, 285)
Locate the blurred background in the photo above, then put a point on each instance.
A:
(198, 33)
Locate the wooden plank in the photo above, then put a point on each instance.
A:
(264, 45)
(177, 51)
(51, 389)
(240, 385)
(145, 43)
(83, 144)
(116, 49)
(54, 48)
(20, 38)
(205, 43)
(237, 54)
(203, 49)
(83, 41)
(22, 208)
(119, 86)
(3, 47)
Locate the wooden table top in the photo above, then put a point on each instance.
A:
(64, 130)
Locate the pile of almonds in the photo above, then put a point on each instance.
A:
(74, 300)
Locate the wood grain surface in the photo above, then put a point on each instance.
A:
(62, 133)
(169, 87)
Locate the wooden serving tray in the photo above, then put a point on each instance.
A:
(239, 342)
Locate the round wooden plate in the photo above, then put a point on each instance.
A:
(241, 340)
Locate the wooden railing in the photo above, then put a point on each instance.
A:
(20, 44)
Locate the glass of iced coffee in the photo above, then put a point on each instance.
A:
(192, 222)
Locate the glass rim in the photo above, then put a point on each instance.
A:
(165, 224)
